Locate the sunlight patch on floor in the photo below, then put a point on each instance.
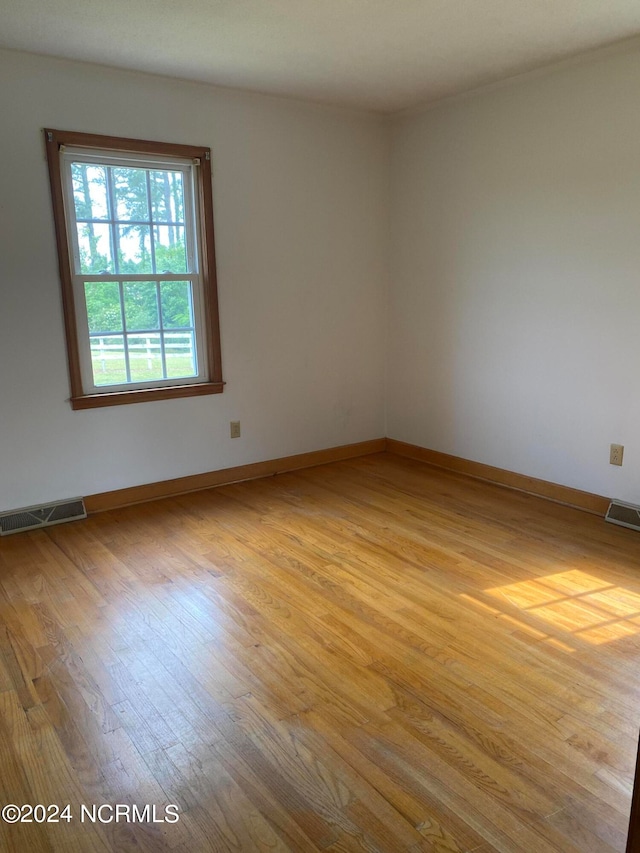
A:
(576, 602)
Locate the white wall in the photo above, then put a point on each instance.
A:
(300, 205)
(514, 308)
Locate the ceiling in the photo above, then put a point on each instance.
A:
(373, 54)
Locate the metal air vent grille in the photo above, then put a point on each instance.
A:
(626, 515)
(31, 517)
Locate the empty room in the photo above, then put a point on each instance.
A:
(319, 494)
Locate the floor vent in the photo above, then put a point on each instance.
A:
(31, 517)
(626, 515)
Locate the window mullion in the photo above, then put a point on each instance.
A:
(145, 276)
(111, 206)
(152, 238)
(127, 365)
(110, 220)
(163, 354)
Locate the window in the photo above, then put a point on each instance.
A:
(134, 228)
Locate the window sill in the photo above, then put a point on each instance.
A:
(145, 395)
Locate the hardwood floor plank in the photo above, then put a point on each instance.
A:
(409, 797)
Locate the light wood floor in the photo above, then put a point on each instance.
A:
(368, 656)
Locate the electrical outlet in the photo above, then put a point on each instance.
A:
(235, 429)
(615, 454)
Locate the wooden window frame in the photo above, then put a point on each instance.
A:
(54, 140)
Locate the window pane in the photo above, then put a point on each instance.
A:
(107, 358)
(89, 191)
(180, 352)
(145, 359)
(177, 304)
(104, 311)
(134, 249)
(130, 191)
(171, 253)
(167, 196)
(94, 246)
(141, 305)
